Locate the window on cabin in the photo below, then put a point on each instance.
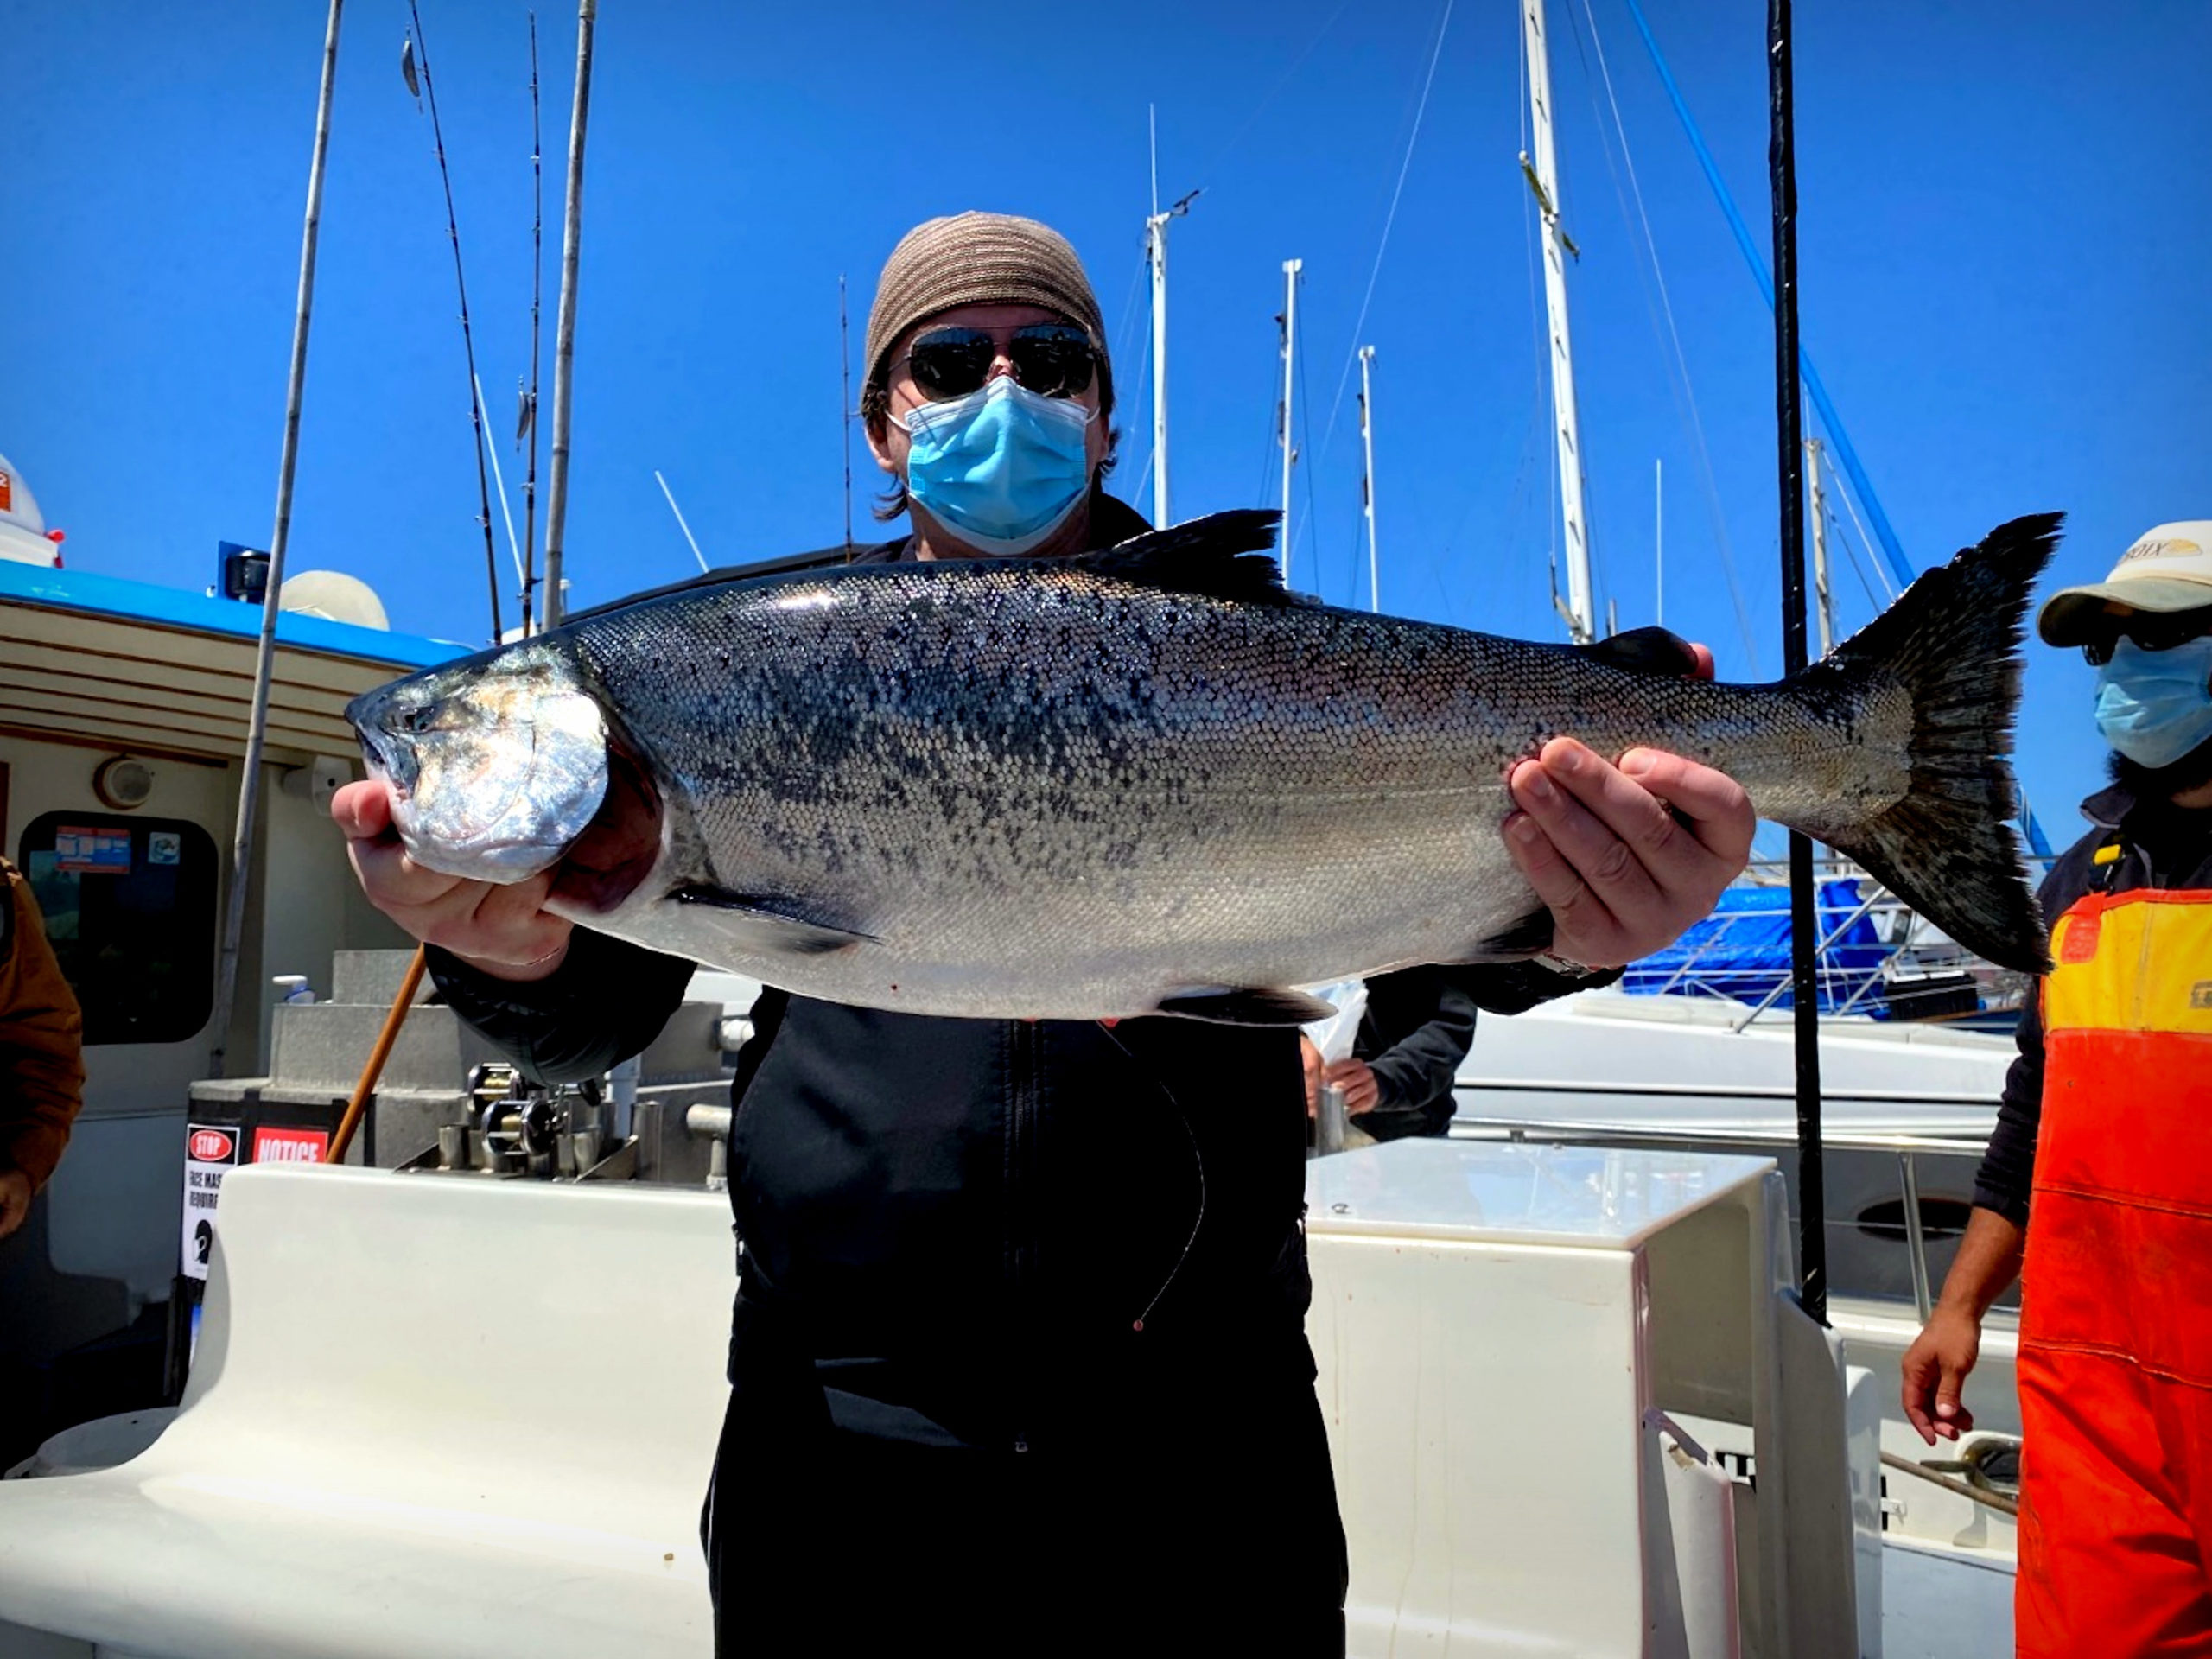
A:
(129, 905)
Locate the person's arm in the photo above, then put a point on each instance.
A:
(1936, 1367)
(606, 1001)
(41, 1054)
(1414, 1076)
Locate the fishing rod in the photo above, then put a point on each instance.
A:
(564, 332)
(264, 658)
(410, 60)
(527, 422)
(1782, 179)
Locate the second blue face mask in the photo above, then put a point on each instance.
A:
(1002, 465)
(2156, 706)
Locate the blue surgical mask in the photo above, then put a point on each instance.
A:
(2156, 706)
(1002, 465)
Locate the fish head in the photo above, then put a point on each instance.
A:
(496, 764)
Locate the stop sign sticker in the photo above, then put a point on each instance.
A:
(213, 1146)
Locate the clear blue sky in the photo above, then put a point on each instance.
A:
(2006, 243)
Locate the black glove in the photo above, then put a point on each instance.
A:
(1645, 651)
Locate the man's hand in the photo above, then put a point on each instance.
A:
(1935, 1368)
(1356, 1078)
(1310, 1056)
(15, 1199)
(505, 931)
(1628, 855)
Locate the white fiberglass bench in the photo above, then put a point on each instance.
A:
(442, 1417)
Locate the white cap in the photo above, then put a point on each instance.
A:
(2169, 569)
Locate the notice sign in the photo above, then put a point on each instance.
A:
(81, 851)
(275, 1145)
(211, 1151)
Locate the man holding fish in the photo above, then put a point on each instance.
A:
(1018, 1357)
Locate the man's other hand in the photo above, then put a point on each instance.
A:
(504, 930)
(1362, 1091)
(1627, 856)
(1935, 1368)
(15, 1199)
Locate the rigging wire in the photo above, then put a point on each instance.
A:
(1389, 218)
(1269, 96)
(1676, 359)
(468, 340)
(1881, 566)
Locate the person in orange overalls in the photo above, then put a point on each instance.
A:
(41, 1052)
(2100, 1166)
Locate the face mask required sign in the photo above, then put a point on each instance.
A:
(211, 1151)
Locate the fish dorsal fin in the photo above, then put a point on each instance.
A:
(1223, 555)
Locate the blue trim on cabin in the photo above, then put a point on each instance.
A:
(145, 601)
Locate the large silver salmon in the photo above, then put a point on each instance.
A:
(1148, 778)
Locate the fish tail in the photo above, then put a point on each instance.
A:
(1952, 643)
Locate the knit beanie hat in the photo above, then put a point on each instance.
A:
(981, 259)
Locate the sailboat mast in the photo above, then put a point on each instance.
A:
(1823, 598)
(1367, 479)
(1542, 173)
(1290, 269)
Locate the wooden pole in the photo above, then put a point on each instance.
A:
(374, 1070)
(264, 661)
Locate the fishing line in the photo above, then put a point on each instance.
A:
(1678, 361)
(1389, 218)
(468, 340)
(1197, 1162)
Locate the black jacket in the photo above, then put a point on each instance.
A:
(2161, 846)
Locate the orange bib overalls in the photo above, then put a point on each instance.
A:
(2115, 1369)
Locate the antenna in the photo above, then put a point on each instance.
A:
(527, 396)
(407, 62)
(680, 525)
(845, 406)
(1289, 320)
(1658, 541)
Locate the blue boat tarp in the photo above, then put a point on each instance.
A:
(1742, 952)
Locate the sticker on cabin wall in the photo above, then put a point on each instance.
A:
(81, 851)
(164, 847)
(211, 1151)
(7, 494)
(275, 1145)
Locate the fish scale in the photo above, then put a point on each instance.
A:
(1093, 786)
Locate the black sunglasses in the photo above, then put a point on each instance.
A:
(1052, 359)
(2152, 631)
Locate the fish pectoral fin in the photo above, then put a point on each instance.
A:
(781, 924)
(1263, 1007)
(1530, 936)
(1223, 554)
